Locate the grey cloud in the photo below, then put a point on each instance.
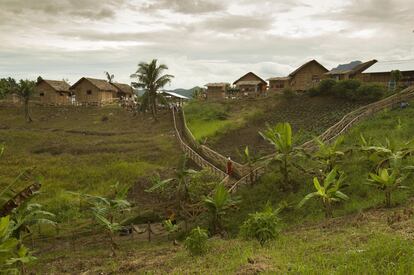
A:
(88, 9)
(186, 6)
(237, 22)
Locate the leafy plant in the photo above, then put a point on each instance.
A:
(25, 90)
(217, 205)
(387, 180)
(250, 160)
(28, 215)
(170, 227)
(280, 137)
(262, 226)
(329, 192)
(388, 155)
(329, 155)
(13, 254)
(106, 210)
(196, 242)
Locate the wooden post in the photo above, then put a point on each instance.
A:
(149, 231)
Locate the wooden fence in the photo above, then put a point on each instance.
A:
(193, 155)
(339, 128)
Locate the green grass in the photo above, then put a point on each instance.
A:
(74, 149)
(359, 240)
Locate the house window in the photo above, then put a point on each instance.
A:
(42, 94)
(88, 92)
(315, 78)
(280, 85)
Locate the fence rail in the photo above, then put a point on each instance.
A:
(341, 127)
(193, 155)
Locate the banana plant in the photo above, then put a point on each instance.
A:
(388, 155)
(106, 210)
(329, 192)
(330, 155)
(28, 215)
(250, 160)
(217, 206)
(13, 254)
(280, 137)
(387, 180)
(170, 227)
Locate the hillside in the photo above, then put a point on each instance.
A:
(364, 237)
(228, 127)
(86, 150)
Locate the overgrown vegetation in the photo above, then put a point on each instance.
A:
(350, 89)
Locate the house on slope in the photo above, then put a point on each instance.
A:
(306, 76)
(251, 85)
(124, 91)
(351, 70)
(216, 91)
(91, 91)
(52, 92)
(380, 72)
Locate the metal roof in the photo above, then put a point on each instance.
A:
(388, 66)
(175, 95)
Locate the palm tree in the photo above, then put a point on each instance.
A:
(150, 78)
(110, 77)
(25, 90)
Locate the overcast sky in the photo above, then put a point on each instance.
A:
(200, 41)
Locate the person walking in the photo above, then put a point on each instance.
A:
(229, 166)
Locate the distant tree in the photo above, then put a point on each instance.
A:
(25, 91)
(198, 93)
(150, 78)
(7, 86)
(110, 77)
(396, 76)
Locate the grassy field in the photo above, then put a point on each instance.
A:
(228, 127)
(85, 150)
(362, 238)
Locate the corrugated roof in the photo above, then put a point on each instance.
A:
(175, 95)
(388, 66)
(352, 68)
(58, 85)
(125, 88)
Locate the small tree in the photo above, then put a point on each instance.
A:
(250, 160)
(170, 227)
(217, 205)
(25, 91)
(329, 192)
(329, 155)
(196, 242)
(387, 182)
(262, 226)
(280, 137)
(106, 210)
(396, 76)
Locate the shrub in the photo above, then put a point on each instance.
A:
(288, 92)
(370, 91)
(262, 226)
(325, 86)
(196, 242)
(314, 91)
(346, 88)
